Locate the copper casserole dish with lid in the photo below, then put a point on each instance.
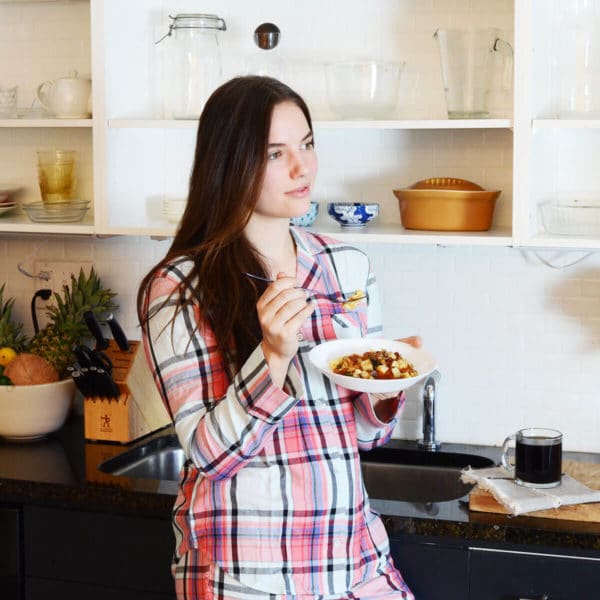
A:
(446, 204)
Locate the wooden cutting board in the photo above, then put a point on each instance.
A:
(586, 473)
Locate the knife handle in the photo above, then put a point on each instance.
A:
(90, 320)
(118, 333)
(82, 356)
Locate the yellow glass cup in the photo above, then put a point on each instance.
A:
(56, 175)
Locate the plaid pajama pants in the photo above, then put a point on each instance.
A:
(199, 579)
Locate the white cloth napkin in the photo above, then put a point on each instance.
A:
(519, 499)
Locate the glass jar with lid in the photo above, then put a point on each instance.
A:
(192, 63)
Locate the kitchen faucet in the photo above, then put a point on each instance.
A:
(428, 392)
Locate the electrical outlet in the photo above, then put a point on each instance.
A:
(54, 274)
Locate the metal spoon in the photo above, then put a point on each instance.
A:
(337, 298)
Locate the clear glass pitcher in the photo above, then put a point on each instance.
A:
(192, 63)
(469, 60)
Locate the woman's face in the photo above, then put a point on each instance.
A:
(291, 165)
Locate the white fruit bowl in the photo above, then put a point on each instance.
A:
(28, 412)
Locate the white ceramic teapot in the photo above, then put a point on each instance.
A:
(67, 97)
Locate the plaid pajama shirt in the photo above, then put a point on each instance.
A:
(272, 494)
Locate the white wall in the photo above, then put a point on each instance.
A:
(518, 342)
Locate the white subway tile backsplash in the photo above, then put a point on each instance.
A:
(510, 355)
(590, 287)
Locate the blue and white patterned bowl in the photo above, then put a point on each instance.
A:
(352, 214)
(308, 218)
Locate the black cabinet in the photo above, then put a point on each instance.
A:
(506, 575)
(431, 568)
(437, 568)
(10, 553)
(78, 554)
(65, 590)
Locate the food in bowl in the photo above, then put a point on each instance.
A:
(446, 204)
(374, 364)
(322, 355)
(32, 411)
(352, 214)
(30, 369)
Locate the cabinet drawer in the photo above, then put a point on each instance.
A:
(432, 570)
(503, 575)
(109, 550)
(42, 589)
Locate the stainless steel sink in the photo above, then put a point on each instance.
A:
(390, 473)
(417, 476)
(160, 458)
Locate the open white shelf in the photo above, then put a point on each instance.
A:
(565, 123)
(567, 242)
(419, 124)
(391, 233)
(16, 221)
(331, 124)
(139, 159)
(381, 233)
(45, 123)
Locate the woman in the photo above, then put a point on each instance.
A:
(271, 501)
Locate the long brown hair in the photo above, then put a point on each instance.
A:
(225, 184)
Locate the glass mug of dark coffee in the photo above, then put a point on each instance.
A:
(538, 457)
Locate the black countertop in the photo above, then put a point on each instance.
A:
(61, 471)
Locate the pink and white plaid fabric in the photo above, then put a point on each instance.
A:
(272, 491)
(197, 578)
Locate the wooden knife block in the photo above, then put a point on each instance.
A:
(138, 411)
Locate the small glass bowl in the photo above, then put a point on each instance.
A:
(57, 212)
(363, 89)
(571, 217)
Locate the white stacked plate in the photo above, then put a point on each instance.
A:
(7, 203)
(173, 208)
(6, 206)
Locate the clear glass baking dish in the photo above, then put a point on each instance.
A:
(57, 212)
(571, 217)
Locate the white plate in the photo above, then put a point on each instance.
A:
(172, 217)
(322, 355)
(4, 208)
(9, 187)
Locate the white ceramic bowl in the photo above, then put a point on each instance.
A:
(363, 89)
(322, 355)
(32, 411)
(352, 214)
(308, 218)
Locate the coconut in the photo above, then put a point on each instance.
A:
(30, 369)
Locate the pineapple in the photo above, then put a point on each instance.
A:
(11, 333)
(67, 326)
